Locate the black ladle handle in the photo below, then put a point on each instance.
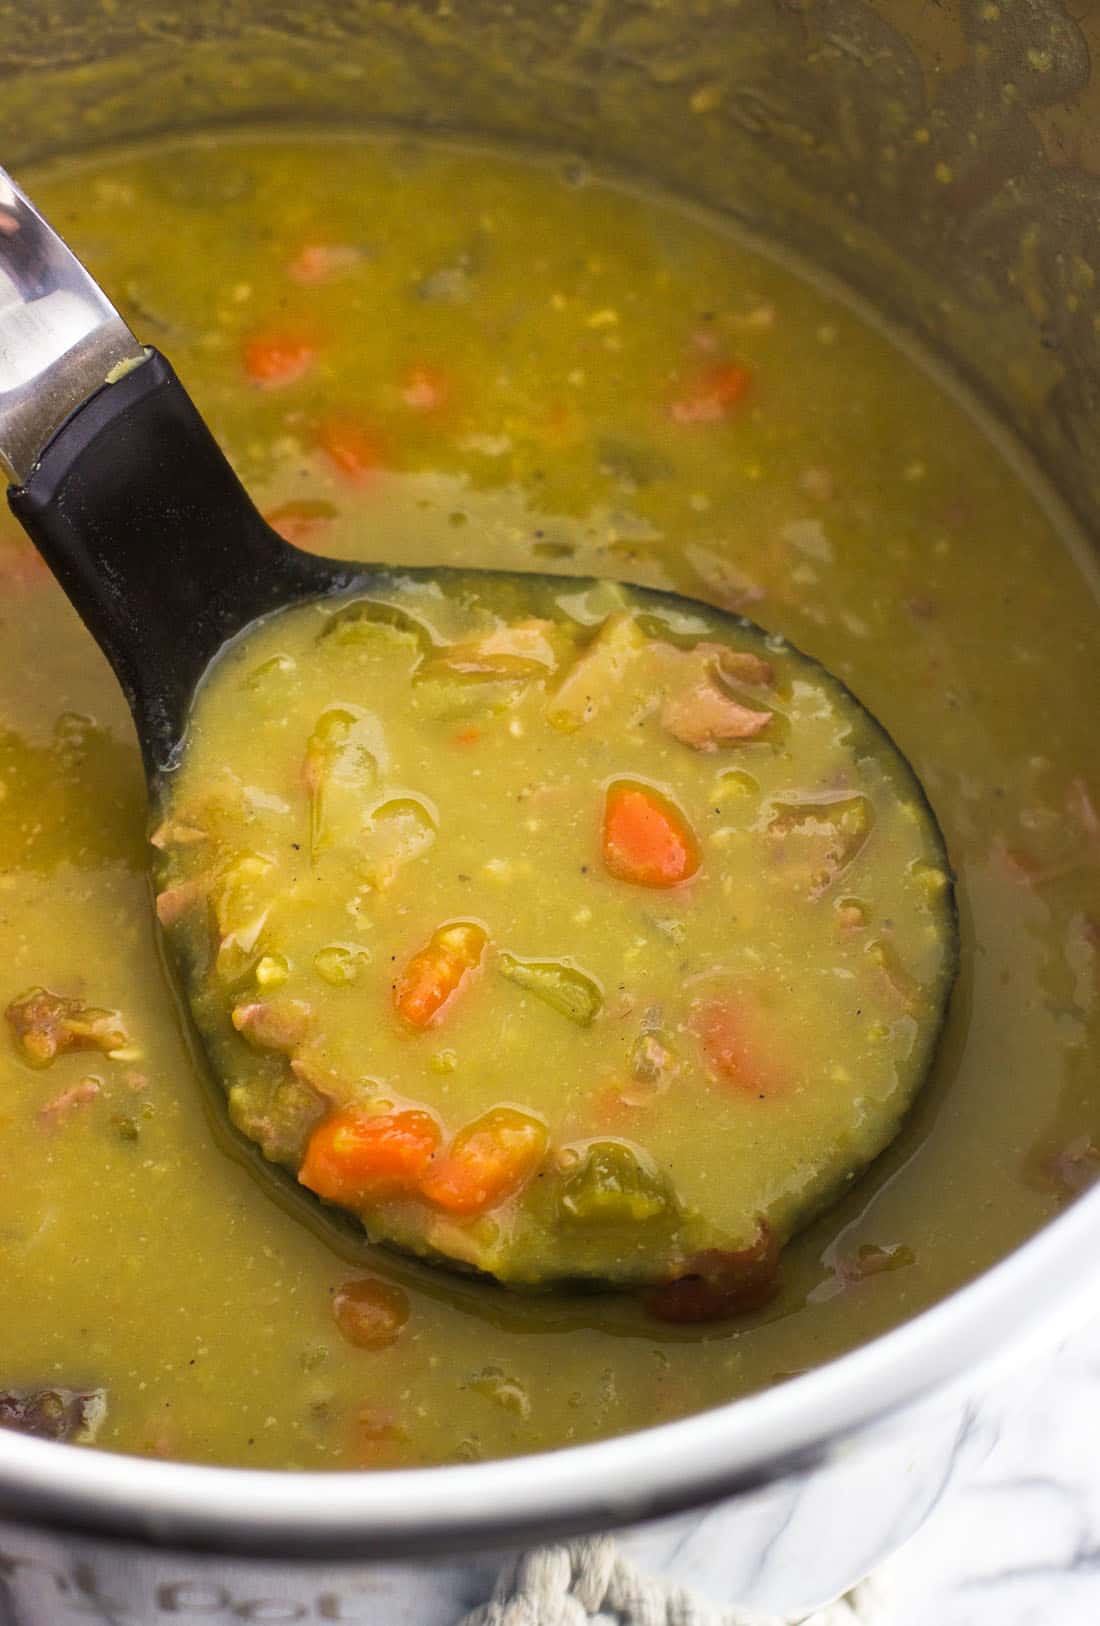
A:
(138, 514)
(122, 487)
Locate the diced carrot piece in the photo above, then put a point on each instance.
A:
(717, 1026)
(467, 736)
(355, 1157)
(436, 972)
(323, 262)
(369, 1313)
(300, 520)
(273, 360)
(353, 449)
(712, 395)
(719, 1282)
(425, 389)
(488, 1161)
(646, 840)
(726, 1028)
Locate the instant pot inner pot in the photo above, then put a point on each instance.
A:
(935, 158)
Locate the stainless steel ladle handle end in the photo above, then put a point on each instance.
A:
(61, 339)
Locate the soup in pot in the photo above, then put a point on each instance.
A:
(428, 355)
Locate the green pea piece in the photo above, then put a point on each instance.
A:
(340, 963)
(373, 625)
(612, 1186)
(563, 987)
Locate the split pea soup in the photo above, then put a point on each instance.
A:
(632, 1007)
(436, 356)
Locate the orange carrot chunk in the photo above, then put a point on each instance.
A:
(488, 1162)
(272, 360)
(436, 972)
(646, 840)
(711, 396)
(353, 449)
(356, 1157)
(735, 1049)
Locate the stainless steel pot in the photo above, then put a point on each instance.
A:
(936, 159)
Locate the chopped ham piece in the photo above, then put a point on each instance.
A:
(54, 1414)
(272, 1026)
(711, 660)
(175, 901)
(45, 1025)
(78, 1095)
(814, 842)
(704, 716)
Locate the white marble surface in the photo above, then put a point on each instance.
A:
(1016, 1538)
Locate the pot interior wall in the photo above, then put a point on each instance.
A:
(934, 158)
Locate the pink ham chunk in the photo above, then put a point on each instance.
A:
(703, 717)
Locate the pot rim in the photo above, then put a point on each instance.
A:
(1022, 1304)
